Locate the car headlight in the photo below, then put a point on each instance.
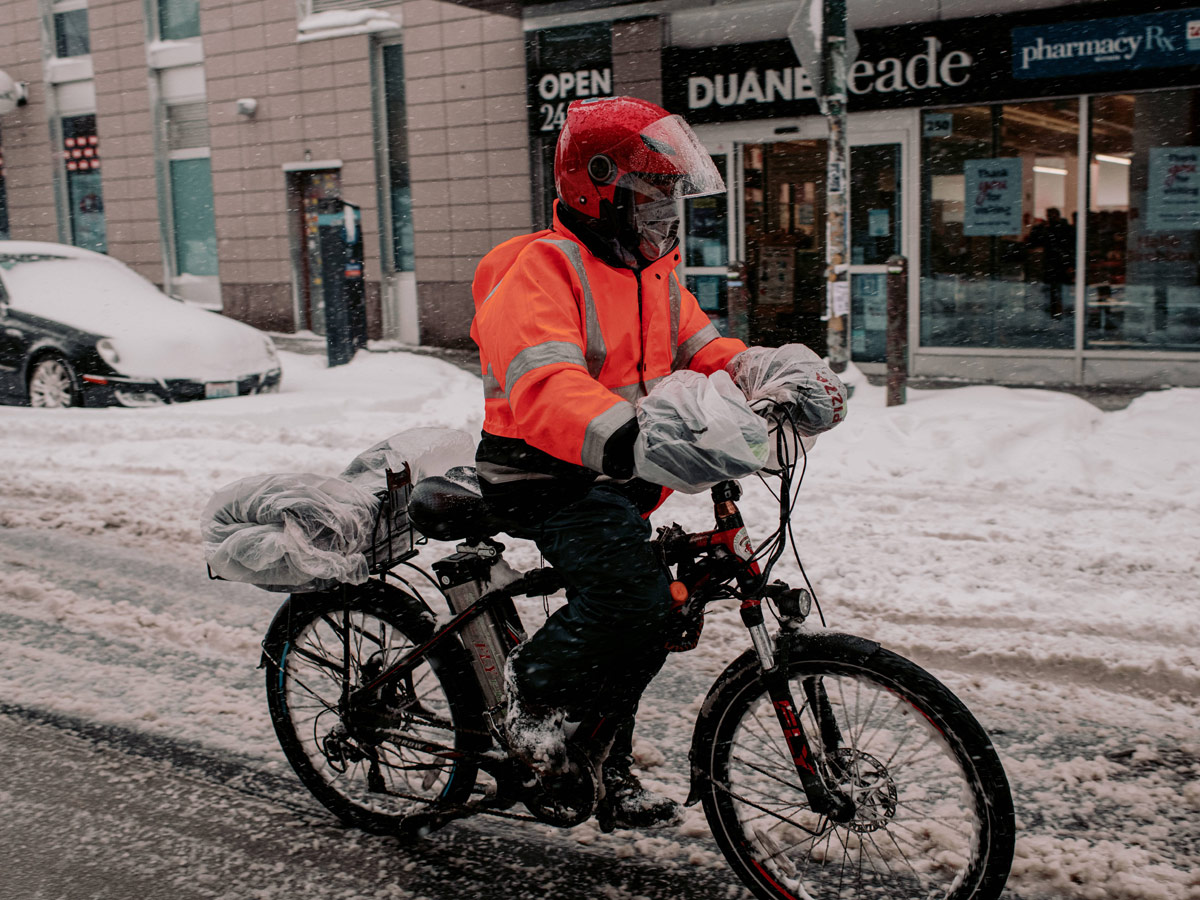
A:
(108, 352)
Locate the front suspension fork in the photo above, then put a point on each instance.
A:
(821, 798)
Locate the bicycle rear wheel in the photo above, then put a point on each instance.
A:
(405, 747)
(933, 812)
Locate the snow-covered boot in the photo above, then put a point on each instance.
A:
(534, 732)
(627, 804)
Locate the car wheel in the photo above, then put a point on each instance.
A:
(52, 384)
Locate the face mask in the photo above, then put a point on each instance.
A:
(657, 226)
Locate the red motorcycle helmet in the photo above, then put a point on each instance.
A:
(623, 162)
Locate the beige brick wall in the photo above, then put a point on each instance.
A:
(465, 85)
(125, 125)
(637, 58)
(29, 158)
(314, 101)
(468, 146)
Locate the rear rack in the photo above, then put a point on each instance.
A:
(393, 539)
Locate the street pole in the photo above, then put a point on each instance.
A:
(897, 330)
(837, 197)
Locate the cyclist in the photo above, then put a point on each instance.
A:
(574, 324)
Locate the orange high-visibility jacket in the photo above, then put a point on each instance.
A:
(568, 343)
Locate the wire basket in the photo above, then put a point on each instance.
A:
(393, 539)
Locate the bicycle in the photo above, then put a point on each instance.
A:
(826, 765)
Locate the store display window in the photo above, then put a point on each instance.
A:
(81, 160)
(178, 19)
(999, 226)
(4, 232)
(1143, 224)
(399, 179)
(71, 34)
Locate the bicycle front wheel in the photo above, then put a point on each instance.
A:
(933, 815)
(374, 760)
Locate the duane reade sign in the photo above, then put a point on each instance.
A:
(762, 79)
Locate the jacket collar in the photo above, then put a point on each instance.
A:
(603, 249)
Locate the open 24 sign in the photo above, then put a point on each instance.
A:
(556, 90)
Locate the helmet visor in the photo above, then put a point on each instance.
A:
(666, 160)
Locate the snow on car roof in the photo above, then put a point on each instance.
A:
(47, 248)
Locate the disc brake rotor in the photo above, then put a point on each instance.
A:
(869, 785)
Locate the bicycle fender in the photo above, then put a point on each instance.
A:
(817, 645)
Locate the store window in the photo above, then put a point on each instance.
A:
(4, 231)
(71, 36)
(189, 167)
(195, 224)
(1000, 218)
(85, 198)
(399, 181)
(706, 249)
(178, 19)
(1143, 224)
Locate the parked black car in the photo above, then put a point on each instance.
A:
(79, 328)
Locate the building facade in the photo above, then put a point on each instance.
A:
(1035, 167)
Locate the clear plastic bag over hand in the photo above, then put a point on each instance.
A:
(695, 431)
(289, 532)
(792, 375)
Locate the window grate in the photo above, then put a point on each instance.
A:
(318, 6)
(187, 126)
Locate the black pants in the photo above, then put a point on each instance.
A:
(597, 654)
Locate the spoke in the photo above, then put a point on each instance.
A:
(321, 661)
(863, 743)
(321, 700)
(907, 861)
(777, 779)
(929, 739)
(771, 739)
(762, 809)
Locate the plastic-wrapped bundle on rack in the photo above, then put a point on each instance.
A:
(290, 532)
(303, 532)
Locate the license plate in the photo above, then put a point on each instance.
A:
(214, 389)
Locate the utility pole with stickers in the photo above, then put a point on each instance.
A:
(826, 47)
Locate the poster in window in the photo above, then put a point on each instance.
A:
(992, 198)
(776, 275)
(1173, 196)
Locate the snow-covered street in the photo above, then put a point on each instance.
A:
(1038, 555)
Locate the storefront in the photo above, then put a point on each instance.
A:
(1038, 172)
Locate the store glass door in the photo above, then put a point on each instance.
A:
(784, 213)
(755, 257)
(316, 200)
(875, 234)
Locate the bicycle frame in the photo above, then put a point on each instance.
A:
(489, 626)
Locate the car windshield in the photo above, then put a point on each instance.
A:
(50, 285)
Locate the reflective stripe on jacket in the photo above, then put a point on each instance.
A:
(568, 343)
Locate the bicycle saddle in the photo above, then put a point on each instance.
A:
(450, 507)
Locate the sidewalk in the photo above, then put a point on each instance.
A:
(1105, 397)
(311, 344)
